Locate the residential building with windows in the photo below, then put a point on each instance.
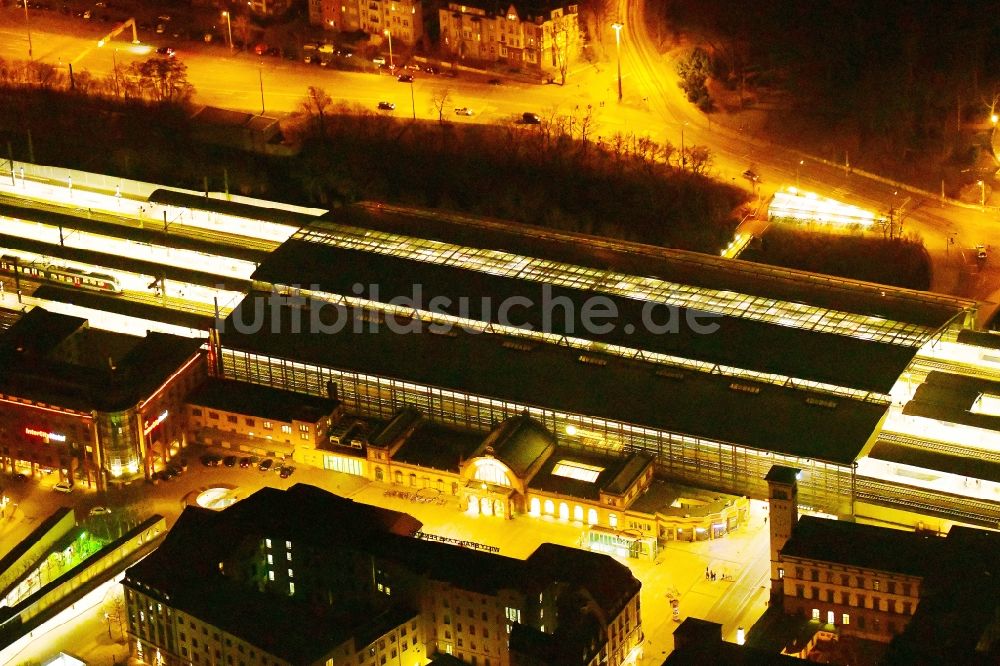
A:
(256, 419)
(533, 35)
(306, 578)
(403, 18)
(269, 7)
(97, 406)
(871, 582)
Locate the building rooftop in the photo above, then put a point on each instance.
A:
(953, 398)
(699, 643)
(262, 401)
(782, 474)
(957, 617)
(679, 266)
(738, 341)
(278, 213)
(968, 466)
(436, 447)
(54, 359)
(184, 570)
(607, 467)
(520, 442)
(864, 546)
(771, 417)
(670, 499)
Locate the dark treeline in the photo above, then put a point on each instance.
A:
(901, 262)
(900, 73)
(624, 186)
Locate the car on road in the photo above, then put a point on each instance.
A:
(63, 487)
(245, 462)
(432, 70)
(20, 477)
(99, 511)
(166, 51)
(265, 464)
(529, 118)
(412, 67)
(378, 60)
(211, 460)
(229, 461)
(405, 78)
(309, 59)
(386, 106)
(495, 82)
(463, 111)
(286, 471)
(981, 252)
(751, 175)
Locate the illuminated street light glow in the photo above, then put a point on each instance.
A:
(617, 27)
(388, 33)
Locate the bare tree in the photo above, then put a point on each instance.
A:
(699, 158)
(116, 614)
(563, 43)
(242, 26)
(316, 106)
(440, 100)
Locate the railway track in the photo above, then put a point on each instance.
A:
(931, 364)
(940, 447)
(965, 509)
(220, 238)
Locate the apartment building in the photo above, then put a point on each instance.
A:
(404, 19)
(306, 578)
(533, 35)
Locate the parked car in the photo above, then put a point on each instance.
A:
(751, 176)
(160, 28)
(386, 106)
(495, 82)
(274, 52)
(260, 49)
(981, 252)
(99, 511)
(405, 78)
(530, 118)
(265, 465)
(378, 60)
(245, 462)
(308, 59)
(211, 460)
(412, 66)
(286, 471)
(463, 111)
(20, 477)
(174, 470)
(166, 51)
(63, 487)
(229, 461)
(432, 70)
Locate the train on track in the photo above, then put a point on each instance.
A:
(61, 275)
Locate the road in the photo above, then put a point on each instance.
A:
(652, 105)
(646, 71)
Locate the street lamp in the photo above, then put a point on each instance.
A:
(617, 27)
(797, 167)
(27, 26)
(229, 25)
(982, 192)
(388, 33)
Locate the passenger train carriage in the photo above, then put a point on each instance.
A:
(74, 277)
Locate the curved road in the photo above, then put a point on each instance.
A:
(653, 105)
(955, 271)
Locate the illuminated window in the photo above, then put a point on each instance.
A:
(491, 471)
(290, 574)
(592, 516)
(845, 619)
(815, 614)
(577, 470)
(286, 429)
(613, 520)
(268, 425)
(291, 589)
(550, 508)
(267, 542)
(270, 575)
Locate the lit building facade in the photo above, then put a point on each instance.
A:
(257, 419)
(530, 35)
(403, 18)
(858, 580)
(348, 584)
(98, 407)
(269, 7)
